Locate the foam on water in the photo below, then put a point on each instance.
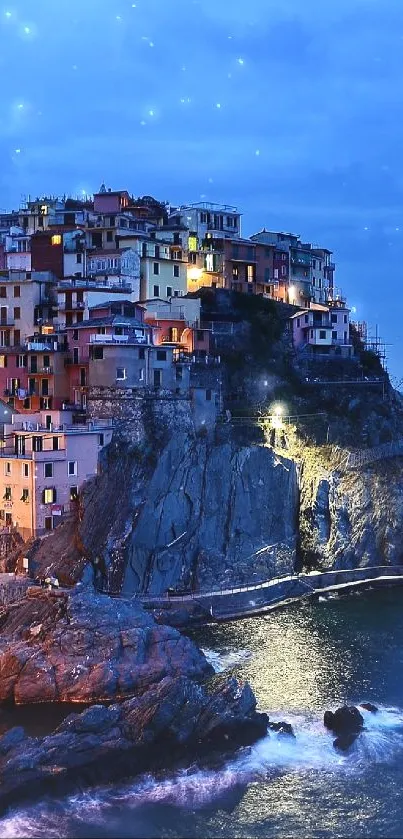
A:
(226, 660)
(196, 788)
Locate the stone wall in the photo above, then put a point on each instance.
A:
(141, 414)
(13, 589)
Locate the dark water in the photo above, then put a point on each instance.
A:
(300, 661)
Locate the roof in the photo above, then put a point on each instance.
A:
(114, 303)
(110, 320)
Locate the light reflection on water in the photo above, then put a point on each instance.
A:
(299, 661)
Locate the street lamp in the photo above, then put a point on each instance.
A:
(277, 413)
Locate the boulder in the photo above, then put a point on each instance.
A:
(345, 720)
(368, 706)
(344, 742)
(282, 728)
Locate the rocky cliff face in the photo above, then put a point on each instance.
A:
(352, 519)
(212, 516)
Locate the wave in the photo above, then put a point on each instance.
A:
(196, 788)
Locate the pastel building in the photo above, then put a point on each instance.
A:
(44, 461)
(323, 330)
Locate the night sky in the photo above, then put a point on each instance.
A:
(288, 109)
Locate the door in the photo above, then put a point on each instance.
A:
(157, 378)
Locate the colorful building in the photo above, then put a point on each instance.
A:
(44, 461)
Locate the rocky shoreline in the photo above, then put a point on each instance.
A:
(84, 647)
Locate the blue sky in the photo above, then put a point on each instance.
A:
(289, 109)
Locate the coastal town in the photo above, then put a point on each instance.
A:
(102, 300)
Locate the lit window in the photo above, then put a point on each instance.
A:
(57, 239)
(49, 496)
(250, 273)
(193, 243)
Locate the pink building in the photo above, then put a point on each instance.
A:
(323, 330)
(44, 461)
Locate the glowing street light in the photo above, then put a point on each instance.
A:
(277, 413)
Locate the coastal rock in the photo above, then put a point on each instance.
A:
(368, 706)
(171, 719)
(347, 723)
(282, 728)
(345, 720)
(94, 648)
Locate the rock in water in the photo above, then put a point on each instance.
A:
(282, 728)
(344, 742)
(345, 720)
(368, 706)
(347, 723)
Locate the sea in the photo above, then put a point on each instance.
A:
(300, 660)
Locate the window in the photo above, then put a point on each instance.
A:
(45, 387)
(173, 333)
(48, 523)
(75, 355)
(345, 337)
(56, 239)
(109, 236)
(208, 395)
(97, 353)
(55, 443)
(298, 322)
(283, 270)
(73, 493)
(7, 468)
(3, 361)
(3, 291)
(17, 291)
(200, 335)
(169, 291)
(322, 334)
(311, 333)
(334, 318)
(176, 270)
(141, 375)
(156, 291)
(142, 354)
(334, 335)
(25, 470)
(7, 494)
(314, 263)
(37, 444)
(75, 334)
(72, 467)
(101, 440)
(157, 252)
(17, 337)
(46, 360)
(250, 273)
(276, 273)
(156, 268)
(79, 258)
(121, 374)
(49, 496)
(306, 318)
(25, 495)
(48, 470)
(345, 318)
(17, 313)
(80, 317)
(161, 355)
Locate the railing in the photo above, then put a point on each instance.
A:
(363, 457)
(119, 339)
(71, 306)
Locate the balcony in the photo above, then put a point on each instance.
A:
(71, 306)
(4, 322)
(132, 338)
(330, 266)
